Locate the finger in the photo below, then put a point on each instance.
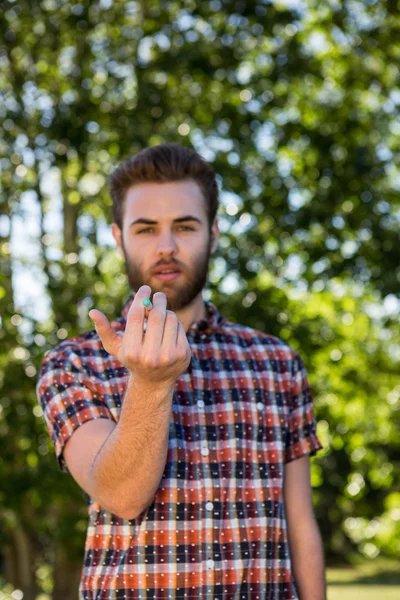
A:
(108, 336)
(170, 332)
(182, 345)
(136, 315)
(181, 339)
(155, 322)
(147, 306)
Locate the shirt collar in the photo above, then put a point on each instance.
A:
(212, 321)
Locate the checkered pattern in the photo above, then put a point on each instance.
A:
(216, 528)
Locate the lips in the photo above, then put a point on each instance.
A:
(173, 274)
(167, 276)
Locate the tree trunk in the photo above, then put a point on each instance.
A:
(20, 563)
(67, 574)
(70, 214)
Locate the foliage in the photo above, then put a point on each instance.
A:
(296, 104)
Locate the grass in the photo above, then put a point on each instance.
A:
(378, 579)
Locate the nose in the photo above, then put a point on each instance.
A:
(166, 243)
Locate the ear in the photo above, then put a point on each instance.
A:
(214, 235)
(117, 235)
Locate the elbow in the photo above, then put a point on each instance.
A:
(133, 513)
(122, 512)
(129, 513)
(109, 503)
(120, 509)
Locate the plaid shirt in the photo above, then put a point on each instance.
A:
(216, 528)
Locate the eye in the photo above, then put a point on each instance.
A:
(184, 227)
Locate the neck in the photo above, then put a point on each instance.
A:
(194, 312)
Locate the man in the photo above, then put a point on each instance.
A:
(190, 434)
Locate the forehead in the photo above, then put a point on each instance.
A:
(165, 201)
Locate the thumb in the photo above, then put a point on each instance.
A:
(110, 338)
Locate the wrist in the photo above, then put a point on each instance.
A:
(150, 387)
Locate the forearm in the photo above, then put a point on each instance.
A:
(128, 468)
(307, 556)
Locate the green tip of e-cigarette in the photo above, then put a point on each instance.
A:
(146, 302)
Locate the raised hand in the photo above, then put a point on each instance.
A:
(158, 355)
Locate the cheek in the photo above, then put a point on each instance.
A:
(135, 244)
(194, 257)
(194, 246)
(136, 253)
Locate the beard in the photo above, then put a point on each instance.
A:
(180, 292)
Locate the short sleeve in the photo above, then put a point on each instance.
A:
(69, 395)
(302, 428)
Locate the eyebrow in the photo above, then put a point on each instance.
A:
(179, 220)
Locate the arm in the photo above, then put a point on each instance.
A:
(304, 537)
(128, 467)
(130, 464)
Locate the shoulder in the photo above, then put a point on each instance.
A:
(258, 341)
(85, 348)
(82, 354)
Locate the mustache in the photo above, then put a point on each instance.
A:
(169, 264)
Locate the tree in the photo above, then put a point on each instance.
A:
(296, 106)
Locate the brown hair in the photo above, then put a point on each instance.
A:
(163, 163)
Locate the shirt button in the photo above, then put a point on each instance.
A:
(200, 403)
(205, 451)
(260, 405)
(210, 563)
(209, 506)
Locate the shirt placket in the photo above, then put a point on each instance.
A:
(199, 381)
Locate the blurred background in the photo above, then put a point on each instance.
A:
(297, 106)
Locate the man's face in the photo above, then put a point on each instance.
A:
(165, 227)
